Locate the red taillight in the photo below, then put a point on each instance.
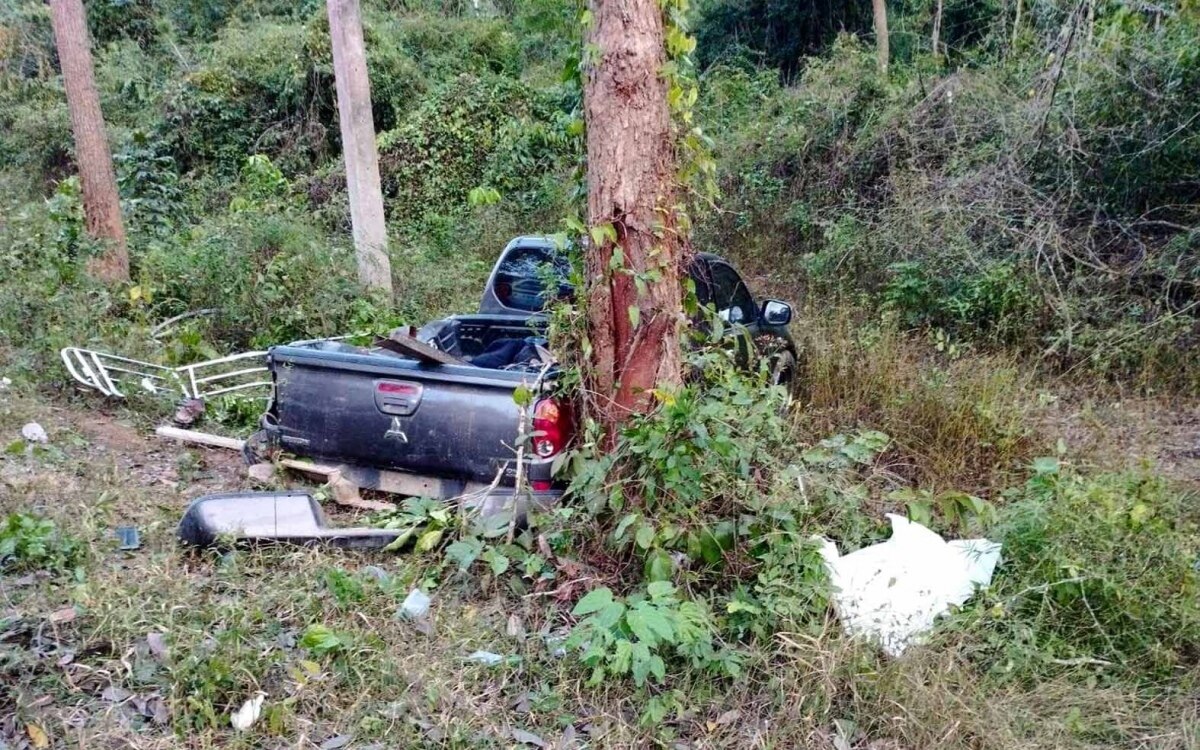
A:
(408, 389)
(551, 427)
(541, 485)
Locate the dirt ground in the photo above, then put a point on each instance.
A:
(1114, 433)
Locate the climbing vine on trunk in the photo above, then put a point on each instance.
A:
(637, 109)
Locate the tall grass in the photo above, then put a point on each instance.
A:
(957, 421)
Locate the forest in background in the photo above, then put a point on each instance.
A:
(1031, 186)
(991, 247)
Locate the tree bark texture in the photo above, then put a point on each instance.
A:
(358, 145)
(97, 180)
(879, 8)
(937, 28)
(631, 186)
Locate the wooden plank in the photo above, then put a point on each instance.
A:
(200, 438)
(344, 489)
(307, 467)
(400, 343)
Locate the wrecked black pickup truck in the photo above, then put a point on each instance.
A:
(420, 427)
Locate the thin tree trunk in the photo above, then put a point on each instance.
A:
(630, 179)
(881, 33)
(1016, 25)
(358, 145)
(937, 28)
(97, 181)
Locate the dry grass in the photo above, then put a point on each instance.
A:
(962, 422)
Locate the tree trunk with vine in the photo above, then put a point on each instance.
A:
(633, 263)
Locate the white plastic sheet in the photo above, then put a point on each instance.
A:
(893, 591)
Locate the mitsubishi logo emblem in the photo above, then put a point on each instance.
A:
(396, 432)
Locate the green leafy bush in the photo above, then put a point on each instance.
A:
(630, 638)
(264, 88)
(997, 304)
(474, 131)
(272, 278)
(29, 542)
(1099, 571)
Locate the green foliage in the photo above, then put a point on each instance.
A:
(1053, 219)
(1137, 151)
(65, 211)
(264, 88)
(996, 305)
(271, 277)
(447, 47)
(423, 521)
(775, 32)
(619, 638)
(957, 512)
(29, 542)
(260, 185)
(705, 494)
(320, 641)
(700, 447)
(1099, 570)
(476, 131)
(151, 198)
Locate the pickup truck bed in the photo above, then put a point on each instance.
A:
(388, 412)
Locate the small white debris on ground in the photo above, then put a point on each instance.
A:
(487, 658)
(244, 717)
(415, 605)
(34, 433)
(893, 591)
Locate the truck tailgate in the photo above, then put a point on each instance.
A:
(394, 413)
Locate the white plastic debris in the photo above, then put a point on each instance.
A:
(893, 591)
(5, 383)
(244, 717)
(485, 657)
(34, 433)
(415, 605)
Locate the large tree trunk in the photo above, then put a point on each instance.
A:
(98, 182)
(881, 33)
(631, 186)
(358, 145)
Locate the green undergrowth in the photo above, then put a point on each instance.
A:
(977, 201)
(689, 556)
(963, 193)
(686, 604)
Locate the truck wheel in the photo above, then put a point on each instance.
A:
(256, 449)
(783, 371)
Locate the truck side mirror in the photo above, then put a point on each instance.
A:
(776, 313)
